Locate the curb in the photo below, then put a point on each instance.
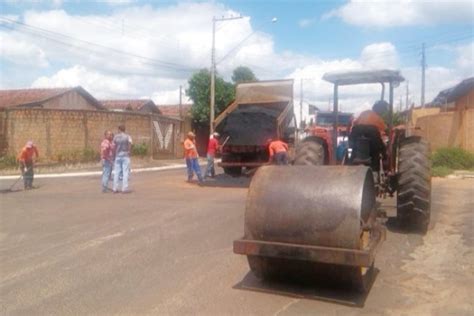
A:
(94, 173)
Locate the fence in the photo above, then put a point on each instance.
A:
(61, 132)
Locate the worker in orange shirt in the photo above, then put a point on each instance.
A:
(191, 156)
(26, 160)
(374, 117)
(278, 152)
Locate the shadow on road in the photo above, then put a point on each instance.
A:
(226, 181)
(335, 293)
(8, 190)
(394, 225)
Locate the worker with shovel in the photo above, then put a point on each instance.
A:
(212, 148)
(26, 160)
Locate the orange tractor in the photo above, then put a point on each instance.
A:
(320, 216)
(399, 161)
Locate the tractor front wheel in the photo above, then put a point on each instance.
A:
(310, 153)
(414, 184)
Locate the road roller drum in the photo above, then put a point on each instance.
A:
(306, 219)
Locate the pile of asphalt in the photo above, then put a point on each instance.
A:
(250, 125)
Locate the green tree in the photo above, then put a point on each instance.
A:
(199, 91)
(243, 74)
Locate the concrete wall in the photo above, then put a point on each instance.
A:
(417, 113)
(57, 132)
(448, 129)
(466, 101)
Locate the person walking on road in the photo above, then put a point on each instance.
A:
(278, 152)
(191, 156)
(212, 148)
(107, 159)
(122, 159)
(26, 160)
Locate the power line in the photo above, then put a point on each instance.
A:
(50, 35)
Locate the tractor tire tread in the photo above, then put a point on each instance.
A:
(414, 183)
(310, 153)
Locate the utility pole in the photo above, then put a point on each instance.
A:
(213, 69)
(406, 95)
(180, 102)
(301, 102)
(423, 68)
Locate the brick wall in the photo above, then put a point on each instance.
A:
(59, 131)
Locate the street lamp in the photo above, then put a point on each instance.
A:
(213, 64)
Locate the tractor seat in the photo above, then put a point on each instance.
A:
(367, 146)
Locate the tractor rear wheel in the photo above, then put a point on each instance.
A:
(310, 153)
(414, 184)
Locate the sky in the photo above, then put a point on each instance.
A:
(119, 49)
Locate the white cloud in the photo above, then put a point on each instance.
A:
(303, 23)
(21, 52)
(98, 84)
(119, 2)
(379, 56)
(360, 97)
(176, 39)
(389, 13)
(168, 97)
(465, 59)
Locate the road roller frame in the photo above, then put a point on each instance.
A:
(328, 255)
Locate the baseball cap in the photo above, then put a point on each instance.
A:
(29, 144)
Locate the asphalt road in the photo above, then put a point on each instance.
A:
(166, 248)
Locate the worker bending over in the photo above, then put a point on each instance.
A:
(278, 152)
(25, 158)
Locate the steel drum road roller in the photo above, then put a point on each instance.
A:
(315, 223)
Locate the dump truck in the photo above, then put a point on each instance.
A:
(319, 217)
(261, 110)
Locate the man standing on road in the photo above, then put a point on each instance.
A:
(25, 158)
(107, 159)
(278, 152)
(212, 148)
(191, 156)
(122, 159)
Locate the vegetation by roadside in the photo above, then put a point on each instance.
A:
(446, 160)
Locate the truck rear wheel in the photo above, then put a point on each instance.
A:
(310, 153)
(231, 171)
(414, 184)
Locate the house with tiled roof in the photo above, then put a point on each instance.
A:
(132, 105)
(176, 110)
(76, 98)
